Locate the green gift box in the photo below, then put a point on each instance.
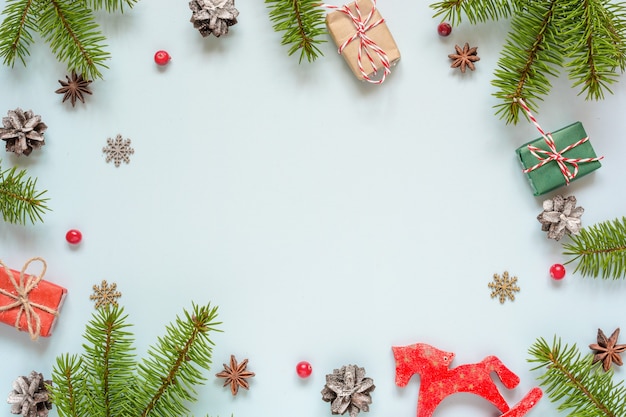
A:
(547, 177)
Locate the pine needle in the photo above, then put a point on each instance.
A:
(580, 387)
(302, 22)
(600, 250)
(19, 200)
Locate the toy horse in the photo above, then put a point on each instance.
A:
(438, 381)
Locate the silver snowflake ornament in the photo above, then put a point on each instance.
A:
(504, 287)
(118, 150)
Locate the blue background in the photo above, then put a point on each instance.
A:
(328, 219)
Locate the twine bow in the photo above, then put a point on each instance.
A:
(26, 307)
(552, 154)
(366, 44)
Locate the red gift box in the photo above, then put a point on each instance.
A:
(27, 302)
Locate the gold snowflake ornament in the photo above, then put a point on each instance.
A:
(104, 294)
(503, 287)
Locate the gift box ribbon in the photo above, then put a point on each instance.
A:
(22, 288)
(547, 156)
(366, 43)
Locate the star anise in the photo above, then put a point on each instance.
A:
(464, 58)
(607, 351)
(74, 89)
(236, 375)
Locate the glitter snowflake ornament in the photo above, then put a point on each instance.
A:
(504, 287)
(104, 294)
(118, 150)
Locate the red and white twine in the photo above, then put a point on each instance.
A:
(547, 156)
(366, 45)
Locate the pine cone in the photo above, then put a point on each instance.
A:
(560, 216)
(347, 389)
(22, 131)
(213, 16)
(30, 397)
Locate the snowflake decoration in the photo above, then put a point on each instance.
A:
(104, 294)
(503, 287)
(118, 150)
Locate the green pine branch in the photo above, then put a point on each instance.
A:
(476, 11)
(68, 26)
(107, 381)
(302, 22)
(175, 364)
(586, 38)
(19, 200)
(573, 380)
(600, 250)
(524, 74)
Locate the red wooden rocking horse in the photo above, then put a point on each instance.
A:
(438, 381)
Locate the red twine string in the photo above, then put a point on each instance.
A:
(366, 44)
(553, 154)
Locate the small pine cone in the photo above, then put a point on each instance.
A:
(560, 217)
(22, 131)
(213, 16)
(30, 396)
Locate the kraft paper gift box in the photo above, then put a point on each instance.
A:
(549, 176)
(43, 300)
(341, 28)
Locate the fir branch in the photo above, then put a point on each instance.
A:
(532, 52)
(174, 364)
(576, 382)
(19, 200)
(597, 45)
(68, 389)
(106, 381)
(16, 29)
(109, 361)
(599, 249)
(74, 36)
(302, 22)
(475, 10)
(111, 5)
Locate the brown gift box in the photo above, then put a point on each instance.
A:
(342, 28)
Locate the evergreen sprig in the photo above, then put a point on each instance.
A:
(19, 199)
(302, 22)
(107, 381)
(599, 249)
(585, 38)
(573, 380)
(476, 11)
(68, 26)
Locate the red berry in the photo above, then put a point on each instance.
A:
(557, 271)
(304, 369)
(444, 29)
(73, 236)
(162, 58)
